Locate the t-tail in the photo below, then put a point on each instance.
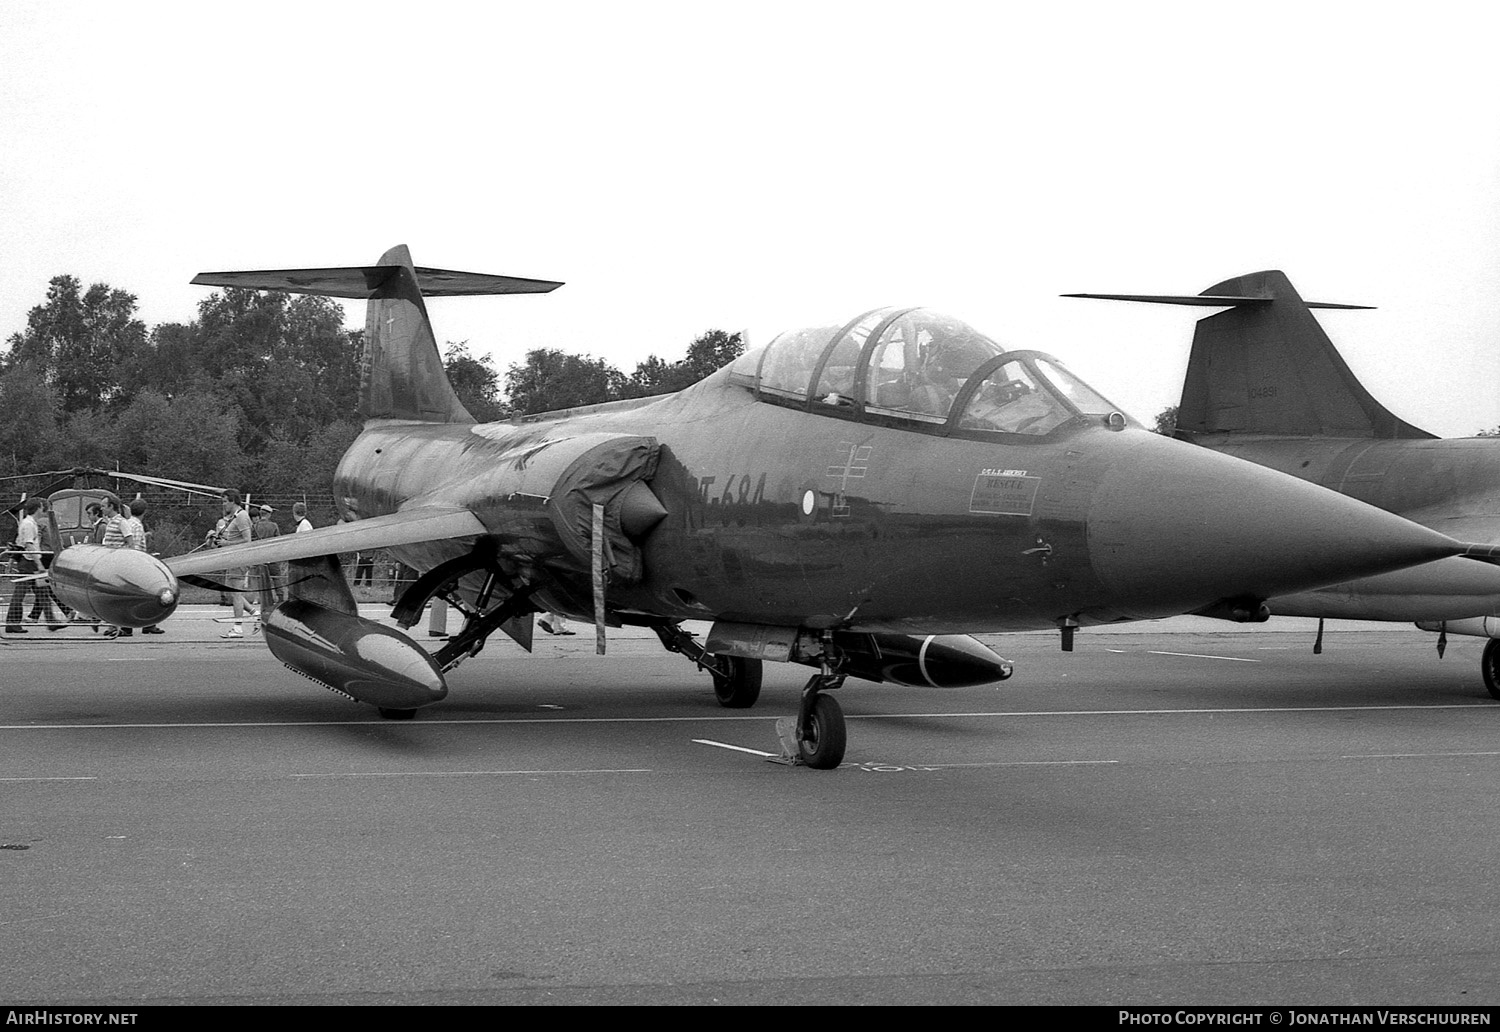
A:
(401, 371)
(1265, 366)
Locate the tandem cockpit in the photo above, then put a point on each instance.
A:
(924, 370)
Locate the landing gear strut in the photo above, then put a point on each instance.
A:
(736, 678)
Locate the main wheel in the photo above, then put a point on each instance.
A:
(741, 686)
(1489, 665)
(823, 746)
(397, 714)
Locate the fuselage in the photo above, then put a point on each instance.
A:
(782, 515)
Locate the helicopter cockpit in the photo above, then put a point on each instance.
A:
(917, 367)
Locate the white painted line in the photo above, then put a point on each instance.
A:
(465, 773)
(736, 748)
(1026, 763)
(417, 725)
(1195, 655)
(51, 779)
(1412, 755)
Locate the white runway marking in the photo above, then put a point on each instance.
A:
(479, 721)
(1195, 655)
(1026, 763)
(1412, 755)
(736, 748)
(1184, 712)
(51, 779)
(465, 773)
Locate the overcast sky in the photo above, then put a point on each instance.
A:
(766, 165)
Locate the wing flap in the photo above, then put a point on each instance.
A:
(407, 527)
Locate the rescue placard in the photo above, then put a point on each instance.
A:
(1004, 493)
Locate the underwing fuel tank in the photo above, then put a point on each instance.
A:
(120, 586)
(933, 661)
(356, 657)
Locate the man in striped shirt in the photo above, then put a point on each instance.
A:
(118, 533)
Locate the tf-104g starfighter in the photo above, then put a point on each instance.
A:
(1265, 384)
(856, 497)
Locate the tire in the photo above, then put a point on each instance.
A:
(397, 714)
(823, 748)
(1489, 665)
(741, 687)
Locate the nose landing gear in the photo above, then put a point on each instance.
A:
(818, 737)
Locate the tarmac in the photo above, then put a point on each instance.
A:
(1176, 813)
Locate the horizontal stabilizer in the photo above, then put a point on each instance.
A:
(362, 281)
(1205, 300)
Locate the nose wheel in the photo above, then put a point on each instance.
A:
(818, 738)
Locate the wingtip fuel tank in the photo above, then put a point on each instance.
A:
(121, 586)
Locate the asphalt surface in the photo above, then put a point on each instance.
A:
(1183, 814)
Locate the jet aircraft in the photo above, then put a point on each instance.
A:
(1264, 383)
(857, 497)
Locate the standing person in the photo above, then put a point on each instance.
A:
(28, 543)
(96, 523)
(364, 569)
(96, 537)
(265, 527)
(42, 525)
(299, 513)
(138, 540)
(118, 533)
(236, 532)
(211, 540)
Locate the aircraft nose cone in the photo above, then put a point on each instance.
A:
(1174, 527)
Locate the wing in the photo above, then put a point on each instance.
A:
(409, 526)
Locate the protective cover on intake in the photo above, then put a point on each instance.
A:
(602, 476)
(538, 495)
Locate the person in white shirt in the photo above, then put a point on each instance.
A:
(118, 533)
(236, 532)
(29, 561)
(137, 536)
(299, 513)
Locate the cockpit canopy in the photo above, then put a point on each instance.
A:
(914, 365)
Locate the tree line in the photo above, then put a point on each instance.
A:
(258, 392)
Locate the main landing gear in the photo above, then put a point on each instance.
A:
(818, 736)
(1489, 666)
(736, 679)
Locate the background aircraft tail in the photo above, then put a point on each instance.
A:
(1265, 366)
(401, 370)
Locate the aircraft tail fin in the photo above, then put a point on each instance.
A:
(401, 371)
(1265, 366)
